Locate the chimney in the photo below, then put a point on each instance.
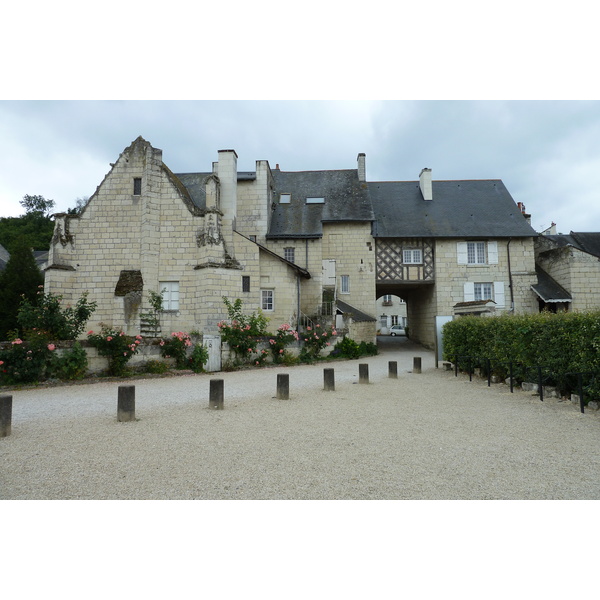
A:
(362, 167)
(425, 184)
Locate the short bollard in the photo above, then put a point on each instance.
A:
(393, 369)
(329, 380)
(126, 403)
(5, 415)
(363, 373)
(417, 364)
(216, 397)
(283, 386)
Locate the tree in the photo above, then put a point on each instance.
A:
(79, 206)
(21, 277)
(37, 204)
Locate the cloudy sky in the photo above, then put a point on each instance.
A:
(546, 152)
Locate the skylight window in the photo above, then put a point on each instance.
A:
(285, 198)
(314, 200)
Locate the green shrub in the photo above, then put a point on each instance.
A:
(117, 347)
(347, 348)
(72, 364)
(314, 340)
(285, 335)
(561, 343)
(198, 358)
(25, 362)
(176, 347)
(156, 367)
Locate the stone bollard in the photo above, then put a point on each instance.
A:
(216, 396)
(5, 415)
(417, 364)
(363, 373)
(126, 403)
(329, 380)
(393, 369)
(283, 386)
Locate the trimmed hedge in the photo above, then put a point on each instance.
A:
(560, 343)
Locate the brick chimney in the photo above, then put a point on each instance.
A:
(425, 184)
(362, 167)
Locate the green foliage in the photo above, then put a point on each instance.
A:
(561, 343)
(156, 366)
(198, 358)
(25, 362)
(71, 364)
(48, 315)
(314, 341)
(155, 300)
(176, 347)
(117, 347)
(242, 331)
(20, 279)
(34, 230)
(285, 335)
(37, 205)
(348, 348)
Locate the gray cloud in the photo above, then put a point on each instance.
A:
(545, 151)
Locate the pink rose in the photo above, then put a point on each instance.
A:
(281, 351)
(109, 338)
(90, 332)
(51, 347)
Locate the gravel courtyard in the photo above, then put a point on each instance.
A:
(421, 436)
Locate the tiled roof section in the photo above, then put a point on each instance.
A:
(346, 199)
(548, 289)
(357, 315)
(194, 184)
(586, 242)
(462, 208)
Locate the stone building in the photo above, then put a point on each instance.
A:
(301, 246)
(568, 271)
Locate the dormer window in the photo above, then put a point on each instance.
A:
(285, 198)
(314, 200)
(137, 186)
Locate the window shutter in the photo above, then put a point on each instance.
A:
(461, 252)
(469, 291)
(499, 293)
(492, 249)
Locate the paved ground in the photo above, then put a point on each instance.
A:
(421, 436)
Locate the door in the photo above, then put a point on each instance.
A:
(213, 344)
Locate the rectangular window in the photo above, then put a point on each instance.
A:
(252, 238)
(314, 200)
(288, 254)
(170, 294)
(476, 253)
(483, 291)
(412, 257)
(285, 198)
(137, 186)
(245, 283)
(345, 284)
(266, 299)
(383, 321)
(387, 300)
(394, 319)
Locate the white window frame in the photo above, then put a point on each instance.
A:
(170, 295)
(285, 198)
(344, 284)
(412, 257)
(473, 291)
(289, 254)
(267, 300)
(394, 319)
(483, 291)
(472, 253)
(315, 200)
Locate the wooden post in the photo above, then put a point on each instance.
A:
(329, 380)
(126, 403)
(217, 393)
(417, 364)
(283, 386)
(363, 373)
(393, 369)
(5, 415)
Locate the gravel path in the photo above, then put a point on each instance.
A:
(421, 436)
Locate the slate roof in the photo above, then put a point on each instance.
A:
(584, 241)
(548, 289)
(346, 199)
(461, 208)
(357, 315)
(194, 183)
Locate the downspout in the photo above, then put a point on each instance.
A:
(510, 281)
(298, 300)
